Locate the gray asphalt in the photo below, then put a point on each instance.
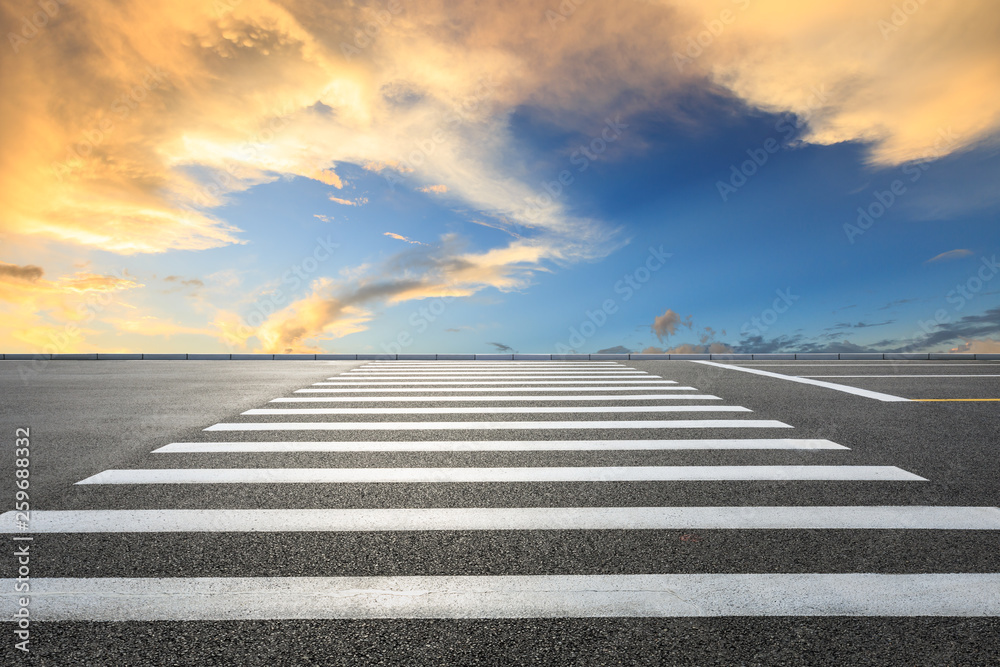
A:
(87, 417)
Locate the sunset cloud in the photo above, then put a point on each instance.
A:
(914, 82)
(347, 202)
(665, 325)
(99, 146)
(159, 127)
(60, 312)
(333, 309)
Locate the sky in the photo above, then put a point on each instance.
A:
(513, 176)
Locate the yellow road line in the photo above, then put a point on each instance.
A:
(955, 399)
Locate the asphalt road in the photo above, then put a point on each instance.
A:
(87, 418)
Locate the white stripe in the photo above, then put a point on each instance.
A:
(457, 376)
(493, 399)
(546, 474)
(903, 375)
(521, 518)
(817, 383)
(518, 596)
(495, 389)
(495, 369)
(490, 410)
(482, 363)
(473, 382)
(492, 374)
(486, 371)
(476, 426)
(494, 445)
(898, 364)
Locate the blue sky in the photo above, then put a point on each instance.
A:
(473, 181)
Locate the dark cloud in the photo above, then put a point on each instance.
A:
(27, 272)
(761, 345)
(857, 325)
(934, 337)
(984, 325)
(796, 343)
(500, 347)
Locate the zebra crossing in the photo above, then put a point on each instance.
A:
(493, 409)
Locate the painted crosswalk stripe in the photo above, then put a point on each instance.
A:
(491, 410)
(540, 474)
(495, 369)
(478, 426)
(493, 375)
(492, 399)
(520, 518)
(483, 363)
(496, 445)
(452, 376)
(418, 390)
(348, 383)
(511, 596)
(369, 372)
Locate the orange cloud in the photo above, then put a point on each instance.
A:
(127, 123)
(343, 202)
(51, 315)
(149, 325)
(333, 310)
(665, 325)
(98, 142)
(979, 345)
(300, 326)
(916, 83)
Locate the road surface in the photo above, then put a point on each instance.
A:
(666, 512)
